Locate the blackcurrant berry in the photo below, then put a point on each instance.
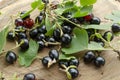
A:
(21, 35)
(67, 15)
(11, 57)
(40, 37)
(90, 32)
(23, 12)
(63, 62)
(73, 72)
(96, 39)
(67, 29)
(54, 54)
(29, 76)
(45, 1)
(66, 39)
(24, 44)
(115, 28)
(42, 29)
(74, 62)
(19, 22)
(88, 17)
(20, 29)
(89, 57)
(11, 36)
(95, 20)
(99, 61)
(33, 33)
(108, 36)
(46, 60)
(38, 19)
(56, 34)
(28, 23)
(51, 39)
(41, 44)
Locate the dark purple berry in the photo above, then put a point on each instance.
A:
(29, 76)
(73, 72)
(74, 62)
(42, 29)
(66, 39)
(41, 45)
(19, 22)
(54, 54)
(33, 33)
(38, 19)
(95, 20)
(46, 60)
(89, 57)
(40, 37)
(11, 36)
(24, 44)
(11, 57)
(115, 28)
(99, 61)
(63, 62)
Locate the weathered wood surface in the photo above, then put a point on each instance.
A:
(111, 70)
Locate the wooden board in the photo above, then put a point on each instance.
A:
(110, 71)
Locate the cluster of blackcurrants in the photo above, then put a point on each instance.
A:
(91, 56)
(70, 67)
(53, 57)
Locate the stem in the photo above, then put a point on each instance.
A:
(51, 43)
(60, 29)
(12, 48)
(69, 21)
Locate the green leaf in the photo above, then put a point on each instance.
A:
(64, 7)
(3, 35)
(115, 16)
(48, 23)
(101, 27)
(50, 32)
(27, 57)
(95, 46)
(65, 57)
(34, 4)
(87, 2)
(27, 13)
(79, 42)
(83, 11)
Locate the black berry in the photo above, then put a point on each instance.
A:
(99, 61)
(115, 28)
(54, 54)
(108, 36)
(11, 57)
(19, 22)
(33, 33)
(67, 29)
(45, 1)
(95, 20)
(29, 76)
(66, 39)
(38, 19)
(40, 37)
(41, 44)
(46, 60)
(63, 62)
(42, 29)
(56, 34)
(21, 35)
(25, 44)
(11, 36)
(89, 57)
(74, 62)
(73, 72)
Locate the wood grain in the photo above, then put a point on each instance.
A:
(110, 71)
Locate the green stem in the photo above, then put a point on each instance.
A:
(61, 17)
(11, 48)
